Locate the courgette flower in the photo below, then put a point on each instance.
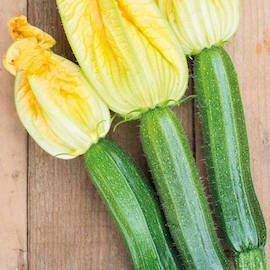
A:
(127, 51)
(201, 24)
(54, 100)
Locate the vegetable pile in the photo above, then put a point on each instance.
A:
(132, 61)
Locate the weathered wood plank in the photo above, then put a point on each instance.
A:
(250, 50)
(69, 227)
(13, 159)
(251, 54)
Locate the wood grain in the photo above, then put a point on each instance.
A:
(250, 51)
(251, 54)
(13, 160)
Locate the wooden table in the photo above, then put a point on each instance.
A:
(51, 217)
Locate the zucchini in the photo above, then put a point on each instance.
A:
(131, 203)
(254, 257)
(227, 155)
(181, 193)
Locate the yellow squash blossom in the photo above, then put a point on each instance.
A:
(201, 24)
(54, 100)
(127, 51)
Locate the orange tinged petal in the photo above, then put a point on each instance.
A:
(19, 28)
(54, 101)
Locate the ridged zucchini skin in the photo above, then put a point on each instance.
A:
(251, 260)
(132, 204)
(227, 152)
(181, 193)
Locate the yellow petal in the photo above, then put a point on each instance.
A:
(26, 55)
(201, 24)
(54, 100)
(32, 117)
(127, 52)
(19, 28)
(71, 108)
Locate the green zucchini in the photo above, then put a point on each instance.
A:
(227, 156)
(131, 203)
(253, 259)
(180, 190)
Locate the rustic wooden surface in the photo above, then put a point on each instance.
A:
(61, 223)
(250, 50)
(13, 160)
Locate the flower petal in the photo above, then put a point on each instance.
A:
(19, 28)
(54, 100)
(72, 109)
(32, 117)
(201, 24)
(127, 52)
(26, 55)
